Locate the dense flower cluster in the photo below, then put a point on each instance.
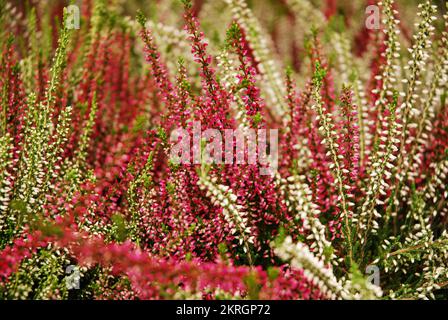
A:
(88, 184)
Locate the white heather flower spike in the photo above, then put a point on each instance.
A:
(299, 202)
(391, 69)
(419, 54)
(326, 128)
(233, 212)
(314, 269)
(342, 48)
(307, 13)
(379, 173)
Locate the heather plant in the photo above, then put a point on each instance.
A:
(93, 204)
